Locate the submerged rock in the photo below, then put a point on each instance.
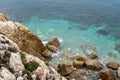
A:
(65, 69)
(3, 17)
(107, 74)
(53, 45)
(103, 32)
(112, 65)
(92, 54)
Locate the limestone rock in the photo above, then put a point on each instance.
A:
(118, 72)
(75, 75)
(15, 62)
(78, 64)
(107, 74)
(3, 17)
(81, 58)
(53, 45)
(5, 74)
(93, 64)
(26, 40)
(113, 65)
(65, 69)
(44, 71)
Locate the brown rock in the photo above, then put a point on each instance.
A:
(53, 45)
(78, 64)
(47, 53)
(65, 69)
(92, 54)
(107, 74)
(81, 71)
(89, 72)
(93, 64)
(26, 40)
(3, 17)
(75, 75)
(81, 58)
(112, 65)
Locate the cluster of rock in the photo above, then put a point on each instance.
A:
(89, 69)
(21, 54)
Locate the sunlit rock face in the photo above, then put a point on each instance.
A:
(26, 40)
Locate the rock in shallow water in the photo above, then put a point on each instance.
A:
(93, 64)
(75, 75)
(112, 65)
(65, 69)
(53, 45)
(107, 74)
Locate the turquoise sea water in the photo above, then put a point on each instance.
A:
(80, 25)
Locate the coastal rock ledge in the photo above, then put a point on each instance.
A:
(21, 54)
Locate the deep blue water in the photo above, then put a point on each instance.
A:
(80, 24)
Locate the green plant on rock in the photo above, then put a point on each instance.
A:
(31, 66)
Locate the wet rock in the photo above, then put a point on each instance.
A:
(81, 58)
(6, 74)
(21, 35)
(118, 71)
(112, 65)
(3, 17)
(117, 47)
(65, 69)
(78, 64)
(92, 54)
(93, 64)
(47, 53)
(103, 32)
(53, 45)
(75, 75)
(107, 74)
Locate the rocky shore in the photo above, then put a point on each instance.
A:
(23, 56)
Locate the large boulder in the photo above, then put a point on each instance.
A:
(26, 40)
(65, 69)
(93, 64)
(53, 45)
(3, 17)
(107, 74)
(113, 65)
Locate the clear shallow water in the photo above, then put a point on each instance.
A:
(75, 23)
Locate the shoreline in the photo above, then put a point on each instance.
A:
(80, 68)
